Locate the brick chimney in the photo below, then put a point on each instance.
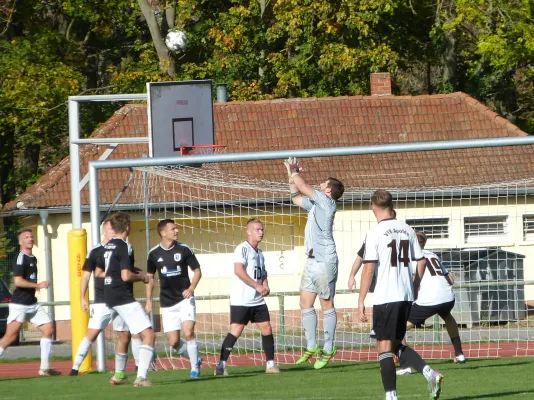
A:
(381, 84)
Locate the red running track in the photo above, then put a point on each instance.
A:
(482, 350)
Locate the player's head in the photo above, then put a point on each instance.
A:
(167, 229)
(421, 238)
(120, 223)
(255, 230)
(25, 236)
(107, 231)
(332, 187)
(381, 201)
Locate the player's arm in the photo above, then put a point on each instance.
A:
(20, 282)
(127, 273)
(83, 290)
(194, 265)
(421, 266)
(241, 272)
(151, 269)
(448, 276)
(367, 278)
(358, 262)
(298, 188)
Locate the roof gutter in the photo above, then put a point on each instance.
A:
(363, 196)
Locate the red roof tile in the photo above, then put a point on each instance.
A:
(287, 124)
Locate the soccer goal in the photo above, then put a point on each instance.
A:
(483, 233)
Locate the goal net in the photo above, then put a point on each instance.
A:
(483, 234)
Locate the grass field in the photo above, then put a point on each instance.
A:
(507, 378)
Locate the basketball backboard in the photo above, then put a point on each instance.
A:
(179, 114)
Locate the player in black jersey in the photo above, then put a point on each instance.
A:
(101, 315)
(23, 305)
(118, 292)
(171, 259)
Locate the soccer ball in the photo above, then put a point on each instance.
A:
(176, 40)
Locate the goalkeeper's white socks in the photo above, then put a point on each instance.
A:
(2, 351)
(83, 349)
(192, 351)
(46, 349)
(309, 323)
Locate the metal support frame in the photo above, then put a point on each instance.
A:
(76, 185)
(94, 166)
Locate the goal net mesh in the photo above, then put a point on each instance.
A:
(481, 233)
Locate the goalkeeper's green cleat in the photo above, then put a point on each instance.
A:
(324, 358)
(308, 354)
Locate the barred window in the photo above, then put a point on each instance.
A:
(528, 227)
(434, 228)
(478, 229)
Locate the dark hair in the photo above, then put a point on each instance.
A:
(254, 220)
(163, 224)
(336, 188)
(120, 221)
(22, 230)
(382, 199)
(421, 238)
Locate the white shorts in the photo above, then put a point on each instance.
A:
(319, 278)
(134, 316)
(174, 316)
(33, 313)
(101, 315)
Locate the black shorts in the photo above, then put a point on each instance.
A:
(243, 314)
(389, 320)
(419, 314)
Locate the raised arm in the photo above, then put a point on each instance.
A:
(298, 188)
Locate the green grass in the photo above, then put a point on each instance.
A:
(478, 379)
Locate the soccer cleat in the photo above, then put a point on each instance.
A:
(324, 358)
(49, 372)
(272, 370)
(140, 382)
(404, 371)
(194, 375)
(309, 354)
(220, 370)
(434, 385)
(118, 379)
(73, 372)
(460, 359)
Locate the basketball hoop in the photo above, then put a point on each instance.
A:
(204, 150)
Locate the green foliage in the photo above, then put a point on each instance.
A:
(261, 49)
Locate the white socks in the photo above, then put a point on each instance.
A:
(145, 358)
(309, 323)
(192, 351)
(136, 344)
(427, 372)
(270, 364)
(120, 362)
(46, 349)
(391, 395)
(2, 351)
(83, 349)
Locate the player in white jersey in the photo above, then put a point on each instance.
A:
(435, 296)
(320, 272)
(392, 245)
(247, 303)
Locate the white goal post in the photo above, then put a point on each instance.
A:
(175, 169)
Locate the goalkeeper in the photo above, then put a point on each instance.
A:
(320, 272)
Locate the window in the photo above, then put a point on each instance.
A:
(528, 227)
(480, 229)
(434, 228)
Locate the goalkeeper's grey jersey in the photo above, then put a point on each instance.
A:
(318, 235)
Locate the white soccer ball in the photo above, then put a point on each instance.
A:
(176, 40)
